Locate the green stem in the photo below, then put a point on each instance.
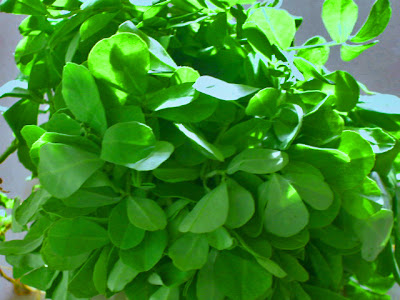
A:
(329, 44)
(10, 150)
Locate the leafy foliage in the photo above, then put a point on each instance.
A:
(193, 151)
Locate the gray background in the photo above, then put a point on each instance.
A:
(378, 68)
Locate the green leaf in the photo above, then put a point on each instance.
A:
(31, 133)
(62, 123)
(81, 284)
(276, 24)
(177, 174)
(140, 288)
(258, 161)
(209, 213)
(339, 17)
(24, 112)
(264, 103)
(100, 270)
(63, 169)
(374, 233)
(240, 277)
(92, 197)
(148, 253)
(217, 30)
(122, 233)
(220, 239)
(71, 237)
(30, 207)
(184, 74)
(350, 52)
(381, 103)
(94, 24)
(376, 23)
(189, 252)
(346, 90)
(121, 274)
(310, 184)
(271, 267)
(285, 213)
(100, 4)
(41, 278)
(61, 262)
(294, 242)
(146, 214)
(160, 61)
(127, 143)
(122, 60)
(292, 267)
(82, 96)
(379, 140)
(23, 7)
(174, 96)
(288, 124)
(200, 142)
(162, 151)
(18, 247)
(222, 90)
(165, 293)
(14, 88)
(241, 205)
(206, 286)
(316, 292)
(315, 55)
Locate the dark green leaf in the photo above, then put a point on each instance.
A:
(209, 213)
(240, 277)
(63, 169)
(146, 214)
(82, 97)
(71, 237)
(122, 233)
(189, 252)
(148, 253)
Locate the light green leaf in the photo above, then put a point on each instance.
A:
(240, 277)
(288, 124)
(63, 169)
(184, 74)
(146, 214)
(374, 233)
(127, 143)
(339, 17)
(350, 52)
(92, 197)
(258, 161)
(23, 7)
(122, 233)
(121, 274)
(220, 239)
(178, 174)
(292, 267)
(82, 96)
(41, 278)
(285, 213)
(174, 96)
(71, 237)
(315, 55)
(94, 24)
(222, 90)
(346, 90)
(162, 151)
(209, 213)
(376, 23)
(309, 183)
(271, 266)
(122, 60)
(241, 205)
(264, 103)
(100, 270)
(200, 142)
(276, 24)
(189, 252)
(147, 254)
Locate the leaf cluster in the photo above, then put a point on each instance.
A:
(193, 151)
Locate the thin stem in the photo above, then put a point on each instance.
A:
(329, 44)
(10, 150)
(20, 289)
